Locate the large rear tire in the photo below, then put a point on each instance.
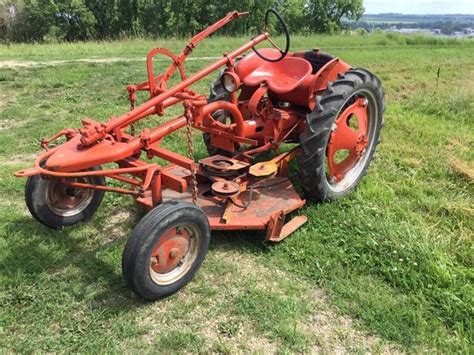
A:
(217, 93)
(347, 119)
(166, 249)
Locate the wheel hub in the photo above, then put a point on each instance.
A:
(170, 250)
(66, 200)
(345, 138)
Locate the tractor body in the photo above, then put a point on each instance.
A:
(264, 101)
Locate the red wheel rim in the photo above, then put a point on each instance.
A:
(346, 138)
(170, 250)
(174, 253)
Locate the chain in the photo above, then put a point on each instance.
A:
(189, 137)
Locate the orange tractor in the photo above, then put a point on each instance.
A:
(262, 100)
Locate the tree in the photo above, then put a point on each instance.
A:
(295, 14)
(326, 16)
(73, 20)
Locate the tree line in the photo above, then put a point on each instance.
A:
(81, 20)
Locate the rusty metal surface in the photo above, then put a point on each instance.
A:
(225, 188)
(284, 230)
(273, 195)
(265, 168)
(219, 162)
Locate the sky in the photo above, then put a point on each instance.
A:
(419, 6)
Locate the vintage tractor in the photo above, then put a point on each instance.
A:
(332, 114)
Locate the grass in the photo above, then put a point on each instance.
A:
(137, 48)
(388, 268)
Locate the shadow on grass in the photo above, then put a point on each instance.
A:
(65, 258)
(75, 261)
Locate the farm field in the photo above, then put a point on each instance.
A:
(388, 269)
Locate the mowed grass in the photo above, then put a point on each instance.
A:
(388, 268)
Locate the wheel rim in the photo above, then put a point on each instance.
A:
(66, 200)
(174, 253)
(350, 141)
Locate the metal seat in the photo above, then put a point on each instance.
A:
(280, 77)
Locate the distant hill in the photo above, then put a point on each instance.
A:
(417, 18)
(448, 24)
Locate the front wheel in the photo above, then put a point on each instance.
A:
(57, 205)
(166, 249)
(341, 135)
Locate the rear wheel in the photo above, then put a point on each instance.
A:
(218, 93)
(166, 249)
(341, 135)
(57, 205)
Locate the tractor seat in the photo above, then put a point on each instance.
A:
(281, 77)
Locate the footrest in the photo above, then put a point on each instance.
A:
(277, 231)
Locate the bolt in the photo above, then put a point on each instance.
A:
(262, 167)
(174, 253)
(225, 186)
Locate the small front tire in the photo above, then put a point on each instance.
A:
(166, 249)
(57, 205)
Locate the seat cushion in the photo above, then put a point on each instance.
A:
(281, 77)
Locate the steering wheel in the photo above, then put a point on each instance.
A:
(284, 52)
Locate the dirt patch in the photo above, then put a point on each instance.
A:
(12, 64)
(334, 332)
(461, 168)
(327, 330)
(114, 229)
(193, 310)
(205, 308)
(462, 143)
(8, 124)
(6, 100)
(20, 159)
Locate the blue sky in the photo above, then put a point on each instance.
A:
(419, 6)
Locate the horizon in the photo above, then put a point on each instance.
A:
(419, 7)
(420, 14)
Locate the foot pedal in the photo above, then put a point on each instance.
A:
(278, 230)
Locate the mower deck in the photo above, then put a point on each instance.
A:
(271, 200)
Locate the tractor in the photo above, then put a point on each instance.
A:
(304, 106)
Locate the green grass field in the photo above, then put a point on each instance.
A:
(390, 268)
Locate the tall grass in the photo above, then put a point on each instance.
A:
(213, 46)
